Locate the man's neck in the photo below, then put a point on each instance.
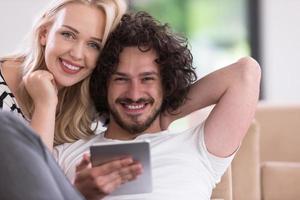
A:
(114, 131)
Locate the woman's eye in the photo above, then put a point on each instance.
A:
(68, 35)
(94, 46)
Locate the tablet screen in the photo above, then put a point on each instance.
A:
(139, 150)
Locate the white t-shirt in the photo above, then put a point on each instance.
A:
(182, 168)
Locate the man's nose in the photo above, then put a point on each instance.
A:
(135, 90)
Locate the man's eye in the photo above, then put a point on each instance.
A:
(120, 79)
(68, 35)
(148, 79)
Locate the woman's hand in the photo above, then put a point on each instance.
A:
(97, 182)
(41, 87)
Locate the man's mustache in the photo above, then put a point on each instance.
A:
(149, 100)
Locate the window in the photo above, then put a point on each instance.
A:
(217, 30)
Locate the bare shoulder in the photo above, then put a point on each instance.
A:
(10, 64)
(11, 72)
(10, 68)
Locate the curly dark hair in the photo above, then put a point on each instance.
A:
(146, 33)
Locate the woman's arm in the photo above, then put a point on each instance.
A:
(42, 89)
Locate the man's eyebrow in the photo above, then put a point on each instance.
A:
(119, 74)
(141, 74)
(76, 31)
(149, 73)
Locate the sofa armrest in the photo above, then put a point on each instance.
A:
(223, 190)
(246, 167)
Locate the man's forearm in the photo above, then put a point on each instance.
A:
(211, 88)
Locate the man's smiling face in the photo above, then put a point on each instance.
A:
(135, 91)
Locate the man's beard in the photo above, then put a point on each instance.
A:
(135, 127)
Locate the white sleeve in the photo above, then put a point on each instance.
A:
(216, 165)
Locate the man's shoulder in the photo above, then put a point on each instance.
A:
(186, 125)
(79, 146)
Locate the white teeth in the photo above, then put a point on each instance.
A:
(132, 107)
(71, 67)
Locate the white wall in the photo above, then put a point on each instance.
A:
(280, 41)
(16, 18)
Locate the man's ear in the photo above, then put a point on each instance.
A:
(43, 35)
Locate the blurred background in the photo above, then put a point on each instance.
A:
(219, 33)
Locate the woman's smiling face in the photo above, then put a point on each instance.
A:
(73, 43)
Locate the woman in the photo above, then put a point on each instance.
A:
(48, 82)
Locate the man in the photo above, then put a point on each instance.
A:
(144, 81)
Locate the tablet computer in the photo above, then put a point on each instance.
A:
(139, 150)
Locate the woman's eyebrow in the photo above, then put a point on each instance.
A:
(76, 31)
(70, 27)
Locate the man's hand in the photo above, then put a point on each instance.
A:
(97, 182)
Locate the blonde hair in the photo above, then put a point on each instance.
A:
(73, 116)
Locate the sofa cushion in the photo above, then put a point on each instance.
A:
(280, 180)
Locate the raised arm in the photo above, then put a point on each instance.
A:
(235, 90)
